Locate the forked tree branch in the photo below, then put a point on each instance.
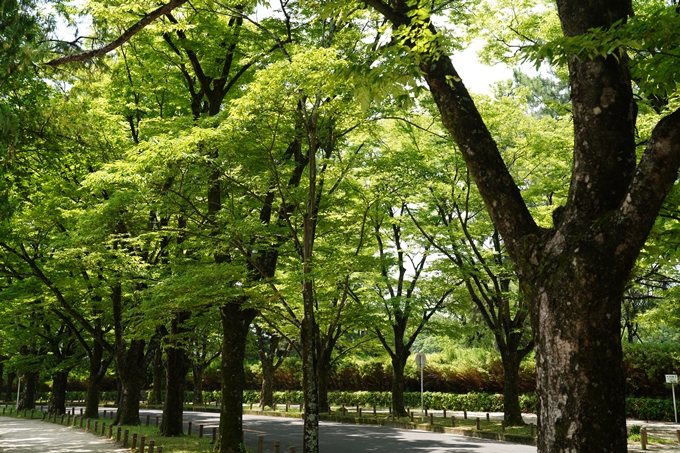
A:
(122, 39)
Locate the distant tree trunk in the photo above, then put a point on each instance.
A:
(176, 369)
(8, 388)
(197, 370)
(158, 375)
(322, 376)
(512, 412)
(58, 400)
(29, 389)
(267, 389)
(235, 325)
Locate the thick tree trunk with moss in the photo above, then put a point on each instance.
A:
(235, 325)
(573, 274)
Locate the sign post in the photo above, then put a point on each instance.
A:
(19, 375)
(420, 362)
(672, 379)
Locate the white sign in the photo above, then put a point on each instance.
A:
(671, 378)
(420, 360)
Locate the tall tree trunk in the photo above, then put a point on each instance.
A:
(97, 367)
(512, 412)
(398, 365)
(176, 369)
(197, 370)
(58, 400)
(235, 325)
(29, 390)
(131, 369)
(267, 389)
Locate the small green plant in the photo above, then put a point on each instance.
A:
(634, 429)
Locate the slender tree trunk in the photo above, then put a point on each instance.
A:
(176, 369)
(197, 370)
(323, 372)
(29, 388)
(97, 371)
(235, 325)
(310, 441)
(58, 400)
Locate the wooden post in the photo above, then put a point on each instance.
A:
(453, 421)
(277, 447)
(68, 419)
(677, 433)
(81, 411)
(643, 438)
(444, 415)
(134, 441)
(431, 418)
(125, 438)
(410, 414)
(479, 422)
(152, 444)
(359, 411)
(96, 426)
(43, 417)
(61, 421)
(141, 444)
(160, 449)
(189, 430)
(103, 428)
(104, 413)
(118, 432)
(487, 417)
(110, 430)
(200, 431)
(426, 412)
(287, 406)
(260, 444)
(291, 449)
(464, 414)
(251, 405)
(375, 412)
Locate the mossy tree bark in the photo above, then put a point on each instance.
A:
(573, 275)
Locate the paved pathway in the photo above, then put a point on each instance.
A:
(33, 436)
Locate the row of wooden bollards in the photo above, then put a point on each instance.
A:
(643, 437)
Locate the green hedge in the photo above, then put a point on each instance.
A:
(650, 409)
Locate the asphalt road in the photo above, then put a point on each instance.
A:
(344, 438)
